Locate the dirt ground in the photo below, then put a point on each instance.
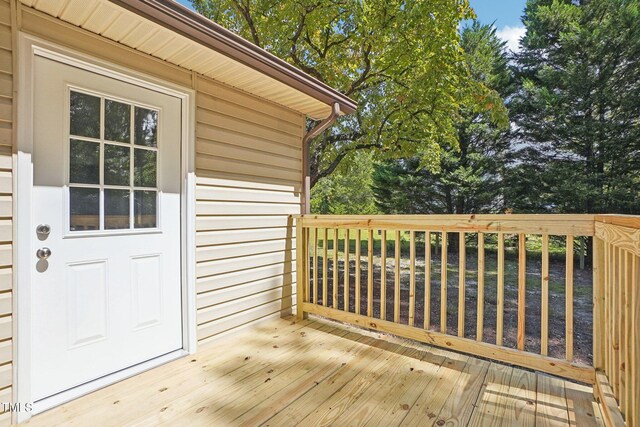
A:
(582, 299)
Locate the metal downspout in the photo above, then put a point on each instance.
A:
(306, 142)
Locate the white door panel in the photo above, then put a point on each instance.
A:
(107, 181)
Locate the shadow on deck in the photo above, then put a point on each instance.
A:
(318, 372)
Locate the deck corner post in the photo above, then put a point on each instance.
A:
(302, 268)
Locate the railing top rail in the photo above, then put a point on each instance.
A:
(532, 217)
(630, 221)
(563, 224)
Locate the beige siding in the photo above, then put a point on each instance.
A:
(248, 180)
(6, 210)
(248, 167)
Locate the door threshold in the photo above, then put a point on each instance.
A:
(91, 386)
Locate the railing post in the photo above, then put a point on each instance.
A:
(302, 270)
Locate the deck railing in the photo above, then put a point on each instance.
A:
(617, 301)
(354, 269)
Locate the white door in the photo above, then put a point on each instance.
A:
(106, 205)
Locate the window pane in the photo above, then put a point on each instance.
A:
(116, 209)
(84, 115)
(84, 162)
(146, 127)
(144, 209)
(84, 208)
(116, 165)
(117, 118)
(145, 168)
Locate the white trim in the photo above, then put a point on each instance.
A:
(83, 389)
(30, 46)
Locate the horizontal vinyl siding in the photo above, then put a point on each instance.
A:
(248, 177)
(6, 207)
(248, 167)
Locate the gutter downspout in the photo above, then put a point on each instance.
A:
(306, 143)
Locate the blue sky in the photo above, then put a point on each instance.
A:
(505, 13)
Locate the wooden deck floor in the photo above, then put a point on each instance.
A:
(317, 372)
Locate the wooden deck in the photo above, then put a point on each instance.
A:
(317, 372)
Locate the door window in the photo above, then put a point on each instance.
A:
(113, 164)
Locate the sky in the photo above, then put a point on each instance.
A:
(506, 14)
(185, 3)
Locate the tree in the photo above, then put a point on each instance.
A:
(400, 60)
(578, 108)
(469, 178)
(348, 190)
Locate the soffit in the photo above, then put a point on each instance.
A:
(123, 26)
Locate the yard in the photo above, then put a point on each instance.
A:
(582, 288)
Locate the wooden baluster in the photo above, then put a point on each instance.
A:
(370, 275)
(605, 300)
(427, 280)
(500, 292)
(347, 268)
(569, 299)
(480, 310)
(325, 263)
(306, 235)
(443, 285)
(622, 325)
(383, 276)
(635, 334)
(598, 303)
(462, 267)
(396, 284)
(302, 269)
(612, 313)
(357, 301)
(522, 288)
(335, 268)
(615, 342)
(627, 350)
(315, 265)
(412, 277)
(544, 309)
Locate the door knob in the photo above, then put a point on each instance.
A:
(43, 253)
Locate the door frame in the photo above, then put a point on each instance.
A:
(28, 48)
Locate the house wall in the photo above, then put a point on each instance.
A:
(6, 209)
(248, 175)
(248, 167)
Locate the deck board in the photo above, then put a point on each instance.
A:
(491, 404)
(318, 372)
(551, 408)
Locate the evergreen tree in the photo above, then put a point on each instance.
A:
(577, 109)
(469, 176)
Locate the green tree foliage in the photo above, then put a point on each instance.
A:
(578, 108)
(348, 190)
(469, 174)
(400, 60)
